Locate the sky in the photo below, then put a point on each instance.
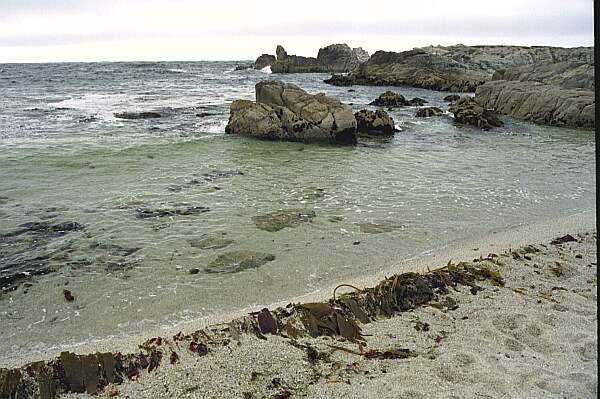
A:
(153, 30)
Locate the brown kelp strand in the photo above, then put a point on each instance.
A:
(340, 317)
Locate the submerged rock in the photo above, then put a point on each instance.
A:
(468, 111)
(45, 228)
(286, 112)
(279, 220)
(429, 112)
(138, 115)
(417, 102)
(178, 210)
(236, 261)
(210, 242)
(382, 226)
(243, 67)
(222, 174)
(376, 123)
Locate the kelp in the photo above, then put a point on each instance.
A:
(339, 317)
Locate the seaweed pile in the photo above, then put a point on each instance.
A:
(338, 317)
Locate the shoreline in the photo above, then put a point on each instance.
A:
(495, 242)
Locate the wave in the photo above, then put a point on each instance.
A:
(177, 70)
(266, 69)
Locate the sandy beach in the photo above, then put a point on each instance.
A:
(536, 336)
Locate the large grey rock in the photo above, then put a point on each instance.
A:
(333, 58)
(468, 111)
(264, 61)
(540, 103)
(374, 123)
(286, 112)
(453, 68)
(567, 74)
(428, 112)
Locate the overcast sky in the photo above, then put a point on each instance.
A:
(112, 30)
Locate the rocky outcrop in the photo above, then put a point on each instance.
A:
(341, 58)
(567, 75)
(429, 112)
(374, 123)
(286, 112)
(264, 61)
(558, 94)
(336, 58)
(468, 111)
(391, 99)
(540, 103)
(138, 115)
(454, 68)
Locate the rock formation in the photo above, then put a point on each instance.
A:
(374, 123)
(336, 58)
(469, 112)
(264, 61)
(429, 112)
(454, 68)
(391, 99)
(558, 94)
(284, 111)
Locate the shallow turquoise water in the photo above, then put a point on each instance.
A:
(64, 157)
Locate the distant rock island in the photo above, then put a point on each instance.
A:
(542, 84)
(335, 58)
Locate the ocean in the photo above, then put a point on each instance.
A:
(119, 212)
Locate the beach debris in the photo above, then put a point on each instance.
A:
(420, 326)
(236, 261)
(283, 394)
(177, 210)
(68, 296)
(266, 322)
(279, 220)
(198, 348)
(338, 318)
(563, 239)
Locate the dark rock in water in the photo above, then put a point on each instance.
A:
(194, 271)
(138, 115)
(204, 114)
(45, 228)
(243, 67)
(180, 210)
(68, 296)
(390, 99)
(376, 123)
(452, 98)
(210, 242)
(264, 61)
(429, 112)
(376, 227)
(220, 174)
(284, 111)
(332, 58)
(279, 220)
(468, 111)
(237, 261)
(417, 102)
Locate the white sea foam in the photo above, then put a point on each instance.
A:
(266, 69)
(176, 70)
